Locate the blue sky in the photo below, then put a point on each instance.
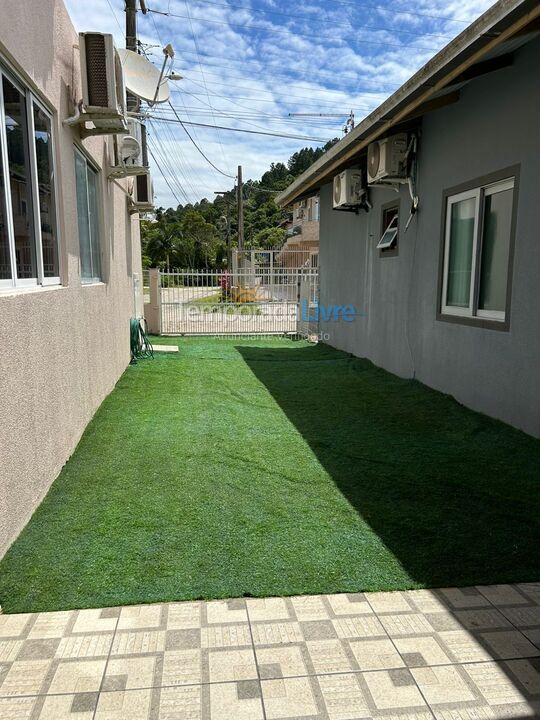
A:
(248, 63)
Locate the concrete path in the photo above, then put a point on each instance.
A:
(451, 654)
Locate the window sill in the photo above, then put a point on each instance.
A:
(92, 283)
(29, 290)
(479, 322)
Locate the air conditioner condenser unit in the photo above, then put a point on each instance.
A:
(387, 160)
(349, 190)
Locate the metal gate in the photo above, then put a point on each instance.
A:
(259, 295)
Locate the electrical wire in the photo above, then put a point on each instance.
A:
(281, 31)
(325, 21)
(241, 130)
(183, 124)
(196, 45)
(163, 175)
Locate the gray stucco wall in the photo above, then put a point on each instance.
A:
(493, 126)
(61, 348)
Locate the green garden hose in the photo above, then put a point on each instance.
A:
(140, 344)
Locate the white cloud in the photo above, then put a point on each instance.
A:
(331, 59)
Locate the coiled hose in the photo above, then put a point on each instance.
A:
(140, 344)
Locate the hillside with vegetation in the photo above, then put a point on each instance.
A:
(195, 235)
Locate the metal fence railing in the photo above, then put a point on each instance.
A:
(251, 299)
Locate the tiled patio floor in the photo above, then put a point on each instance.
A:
(448, 654)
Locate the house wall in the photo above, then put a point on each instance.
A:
(61, 348)
(493, 126)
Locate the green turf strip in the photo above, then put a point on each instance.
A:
(273, 467)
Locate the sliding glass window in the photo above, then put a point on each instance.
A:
(28, 229)
(88, 215)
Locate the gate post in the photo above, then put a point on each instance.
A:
(152, 310)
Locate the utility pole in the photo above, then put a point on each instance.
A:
(131, 44)
(240, 210)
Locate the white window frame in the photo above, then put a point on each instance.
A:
(391, 231)
(478, 194)
(31, 100)
(95, 279)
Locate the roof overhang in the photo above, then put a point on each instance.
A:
(424, 91)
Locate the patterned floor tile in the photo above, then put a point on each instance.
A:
(494, 683)
(443, 684)
(217, 636)
(470, 653)
(93, 621)
(406, 624)
(241, 701)
(310, 607)
(343, 697)
(77, 676)
(282, 661)
(14, 626)
(137, 642)
(330, 656)
(24, 678)
(523, 617)
(422, 651)
(389, 602)
(267, 609)
(182, 667)
(463, 646)
(481, 619)
(376, 654)
(84, 646)
(9, 649)
(360, 626)
(528, 674)
(128, 705)
(276, 633)
(69, 707)
(460, 598)
(349, 604)
(137, 617)
(289, 698)
(181, 703)
(182, 616)
(530, 590)
(426, 601)
(532, 635)
(227, 665)
(51, 625)
(394, 690)
(508, 644)
(17, 708)
(502, 595)
(226, 611)
(131, 673)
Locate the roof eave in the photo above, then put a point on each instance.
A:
(466, 49)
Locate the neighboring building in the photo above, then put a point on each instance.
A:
(454, 299)
(69, 253)
(302, 239)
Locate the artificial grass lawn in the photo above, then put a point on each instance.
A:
(271, 467)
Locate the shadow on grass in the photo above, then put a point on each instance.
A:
(453, 495)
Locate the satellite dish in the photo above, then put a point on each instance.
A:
(142, 79)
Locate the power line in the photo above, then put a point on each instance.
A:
(163, 175)
(294, 95)
(324, 21)
(242, 130)
(183, 124)
(115, 16)
(196, 45)
(280, 31)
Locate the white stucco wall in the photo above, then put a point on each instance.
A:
(62, 348)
